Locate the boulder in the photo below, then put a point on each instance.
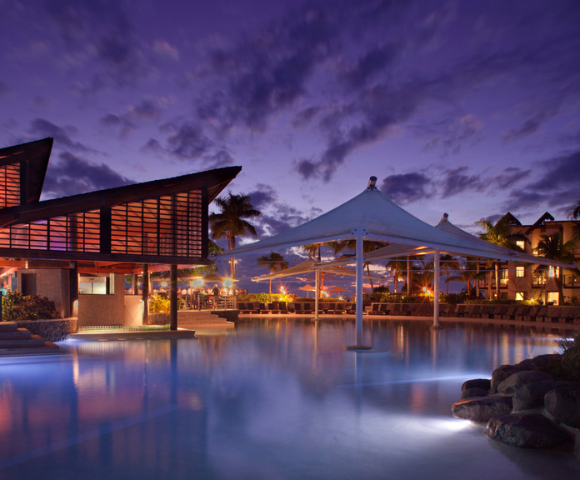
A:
(481, 383)
(501, 373)
(527, 431)
(531, 396)
(525, 377)
(547, 363)
(563, 403)
(481, 409)
(474, 392)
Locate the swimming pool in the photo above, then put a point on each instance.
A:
(274, 399)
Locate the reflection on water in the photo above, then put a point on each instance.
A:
(273, 399)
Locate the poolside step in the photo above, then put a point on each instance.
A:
(19, 341)
(15, 334)
(8, 327)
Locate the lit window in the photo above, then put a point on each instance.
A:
(521, 244)
(551, 272)
(520, 271)
(519, 295)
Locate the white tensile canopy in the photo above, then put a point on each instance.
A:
(371, 216)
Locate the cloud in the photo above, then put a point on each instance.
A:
(41, 127)
(457, 181)
(73, 175)
(557, 184)
(407, 187)
(371, 63)
(102, 33)
(164, 49)
(147, 110)
(263, 196)
(450, 137)
(529, 127)
(510, 176)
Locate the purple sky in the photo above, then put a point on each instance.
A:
(470, 108)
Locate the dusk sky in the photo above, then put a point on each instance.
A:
(470, 108)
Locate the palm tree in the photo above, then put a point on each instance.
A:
(554, 248)
(575, 215)
(231, 221)
(368, 246)
(449, 265)
(275, 262)
(396, 266)
(468, 273)
(501, 234)
(424, 275)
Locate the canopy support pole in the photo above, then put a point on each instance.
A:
(436, 324)
(317, 293)
(409, 289)
(360, 234)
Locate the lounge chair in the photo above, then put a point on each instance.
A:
(283, 307)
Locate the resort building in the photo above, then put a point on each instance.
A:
(519, 281)
(77, 250)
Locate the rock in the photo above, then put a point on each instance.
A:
(482, 383)
(481, 409)
(563, 403)
(549, 363)
(474, 392)
(527, 397)
(509, 385)
(501, 373)
(527, 431)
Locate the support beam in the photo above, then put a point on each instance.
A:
(145, 294)
(360, 234)
(173, 297)
(409, 289)
(316, 293)
(436, 324)
(73, 288)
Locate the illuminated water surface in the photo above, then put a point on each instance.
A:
(274, 399)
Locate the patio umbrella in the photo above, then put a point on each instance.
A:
(337, 290)
(308, 288)
(213, 277)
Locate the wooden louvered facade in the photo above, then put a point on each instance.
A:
(159, 222)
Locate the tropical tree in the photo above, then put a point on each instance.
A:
(575, 215)
(501, 233)
(449, 265)
(423, 275)
(554, 248)
(231, 221)
(396, 266)
(274, 262)
(468, 272)
(368, 246)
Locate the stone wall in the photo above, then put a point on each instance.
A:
(52, 330)
(52, 283)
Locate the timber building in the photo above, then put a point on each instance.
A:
(94, 239)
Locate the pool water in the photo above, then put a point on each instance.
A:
(273, 399)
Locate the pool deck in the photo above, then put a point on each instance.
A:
(442, 320)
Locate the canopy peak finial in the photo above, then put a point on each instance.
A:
(372, 184)
(445, 217)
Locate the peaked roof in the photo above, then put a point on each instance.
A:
(379, 218)
(214, 180)
(494, 251)
(32, 159)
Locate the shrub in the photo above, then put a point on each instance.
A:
(159, 304)
(17, 307)
(571, 358)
